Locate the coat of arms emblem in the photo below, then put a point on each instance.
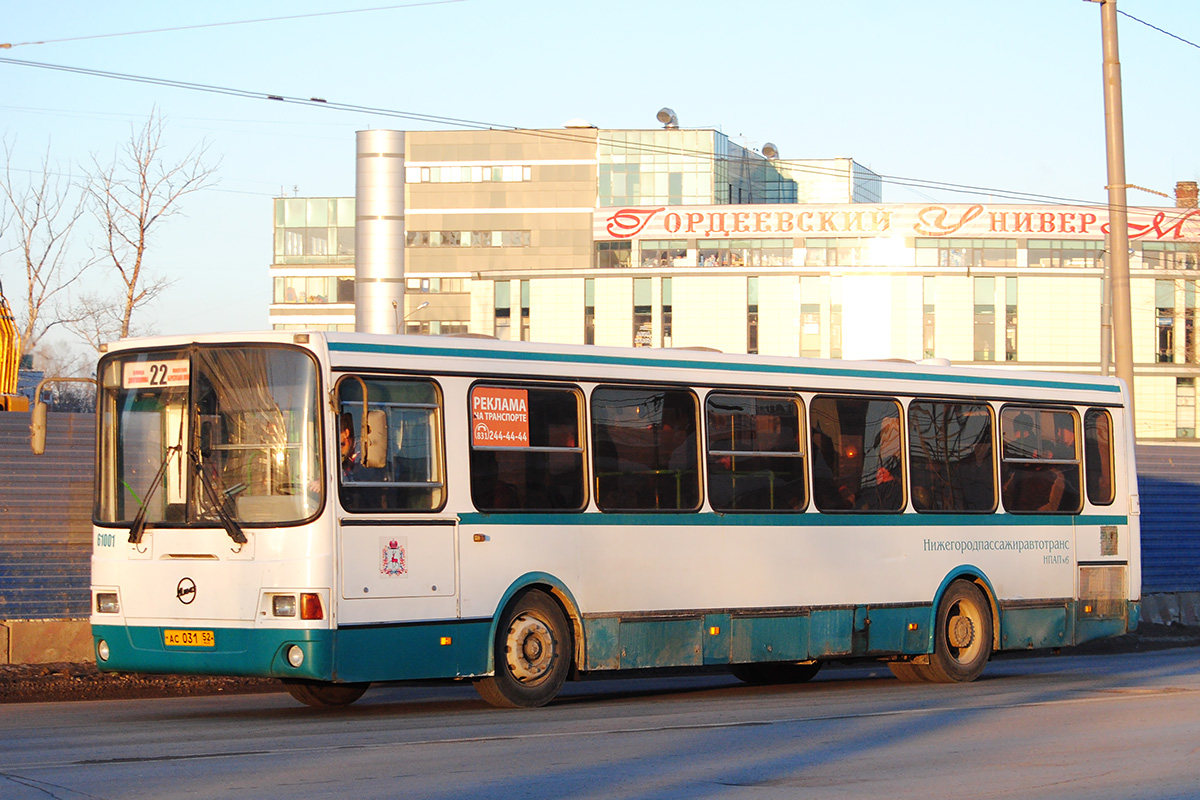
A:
(395, 559)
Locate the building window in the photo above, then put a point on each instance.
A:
(454, 173)
(468, 238)
(810, 330)
(663, 252)
(985, 319)
(1010, 319)
(1164, 321)
(1189, 322)
(745, 253)
(589, 311)
(524, 311)
(503, 306)
(835, 317)
(314, 230)
(847, 252)
(1064, 253)
(667, 289)
(316, 289)
(751, 315)
(1171, 255)
(1185, 408)
(435, 285)
(928, 329)
(643, 324)
(966, 253)
(613, 255)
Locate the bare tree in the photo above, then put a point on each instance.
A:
(42, 213)
(129, 197)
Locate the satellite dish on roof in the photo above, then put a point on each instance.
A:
(667, 117)
(770, 151)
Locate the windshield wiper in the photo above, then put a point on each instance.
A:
(139, 522)
(229, 523)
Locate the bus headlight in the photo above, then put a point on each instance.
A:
(283, 605)
(106, 603)
(295, 656)
(102, 650)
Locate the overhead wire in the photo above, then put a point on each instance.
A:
(7, 45)
(795, 166)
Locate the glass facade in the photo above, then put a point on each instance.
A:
(314, 230)
(683, 168)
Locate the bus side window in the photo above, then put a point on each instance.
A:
(857, 457)
(403, 470)
(951, 456)
(1040, 466)
(1098, 456)
(755, 462)
(646, 455)
(525, 449)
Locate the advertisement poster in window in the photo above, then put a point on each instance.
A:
(499, 417)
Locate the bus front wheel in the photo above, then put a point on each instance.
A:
(532, 654)
(319, 694)
(962, 636)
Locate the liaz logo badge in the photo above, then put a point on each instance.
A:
(185, 592)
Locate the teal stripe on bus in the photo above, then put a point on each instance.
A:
(798, 520)
(763, 368)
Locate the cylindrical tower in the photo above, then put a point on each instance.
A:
(379, 232)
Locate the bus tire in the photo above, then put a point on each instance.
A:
(962, 641)
(319, 694)
(532, 654)
(907, 672)
(775, 672)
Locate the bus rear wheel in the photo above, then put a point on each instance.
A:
(775, 673)
(319, 694)
(962, 636)
(907, 672)
(532, 654)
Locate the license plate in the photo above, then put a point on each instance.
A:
(189, 639)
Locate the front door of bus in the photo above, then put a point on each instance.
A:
(397, 569)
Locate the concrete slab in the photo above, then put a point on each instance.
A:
(47, 641)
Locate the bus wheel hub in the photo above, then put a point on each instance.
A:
(960, 631)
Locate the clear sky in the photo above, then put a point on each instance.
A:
(1005, 96)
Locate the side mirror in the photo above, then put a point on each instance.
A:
(37, 428)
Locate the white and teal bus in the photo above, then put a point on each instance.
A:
(336, 510)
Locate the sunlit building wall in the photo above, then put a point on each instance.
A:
(638, 238)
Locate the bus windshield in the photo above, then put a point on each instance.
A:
(209, 436)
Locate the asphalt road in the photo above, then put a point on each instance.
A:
(1112, 726)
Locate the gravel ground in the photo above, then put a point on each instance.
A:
(29, 683)
(32, 683)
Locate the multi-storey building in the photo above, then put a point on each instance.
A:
(681, 238)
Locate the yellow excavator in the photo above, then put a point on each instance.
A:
(10, 360)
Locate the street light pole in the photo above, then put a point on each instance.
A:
(396, 311)
(1118, 218)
